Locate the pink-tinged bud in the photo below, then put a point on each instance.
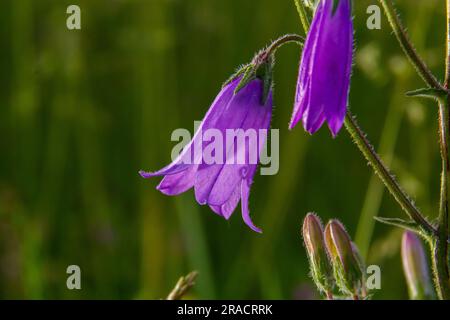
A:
(321, 270)
(347, 265)
(415, 267)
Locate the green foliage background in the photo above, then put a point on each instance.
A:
(82, 111)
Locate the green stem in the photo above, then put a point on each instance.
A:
(441, 246)
(407, 46)
(380, 169)
(447, 46)
(440, 260)
(303, 15)
(275, 45)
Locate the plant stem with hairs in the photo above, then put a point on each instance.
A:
(406, 45)
(377, 164)
(439, 244)
(363, 143)
(440, 254)
(382, 171)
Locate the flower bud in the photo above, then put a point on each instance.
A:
(347, 264)
(321, 270)
(415, 267)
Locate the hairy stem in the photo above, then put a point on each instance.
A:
(440, 250)
(380, 169)
(407, 46)
(440, 260)
(447, 46)
(303, 15)
(287, 38)
(440, 244)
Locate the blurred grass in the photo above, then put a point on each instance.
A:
(83, 111)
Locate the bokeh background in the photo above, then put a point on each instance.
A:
(82, 111)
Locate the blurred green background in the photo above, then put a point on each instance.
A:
(82, 111)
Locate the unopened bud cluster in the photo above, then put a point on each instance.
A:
(335, 262)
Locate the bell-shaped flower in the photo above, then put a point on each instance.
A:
(324, 75)
(222, 174)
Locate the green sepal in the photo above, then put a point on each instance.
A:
(265, 73)
(247, 75)
(430, 93)
(242, 69)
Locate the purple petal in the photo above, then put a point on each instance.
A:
(231, 175)
(172, 168)
(302, 93)
(336, 69)
(175, 184)
(216, 209)
(226, 209)
(245, 194)
(324, 75)
(232, 118)
(185, 159)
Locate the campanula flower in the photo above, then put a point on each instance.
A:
(324, 75)
(222, 185)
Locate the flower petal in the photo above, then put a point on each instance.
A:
(339, 35)
(232, 117)
(245, 194)
(175, 184)
(185, 159)
(302, 95)
(324, 74)
(226, 210)
(231, 175)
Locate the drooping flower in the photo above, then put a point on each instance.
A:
(223, 184)
(324, 75)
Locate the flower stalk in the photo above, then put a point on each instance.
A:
(360, 139)
(407, 46)
(275, 45)
(439, 244)
(303, 15)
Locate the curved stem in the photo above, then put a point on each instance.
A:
(275, 45)
(380, 169)
(407, 46)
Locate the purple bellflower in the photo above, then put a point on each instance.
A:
(324, 75)
(243, 103)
